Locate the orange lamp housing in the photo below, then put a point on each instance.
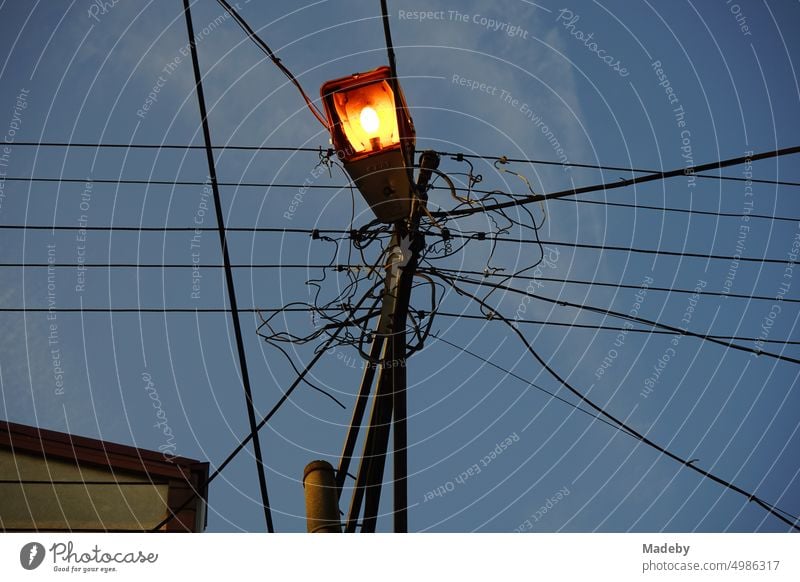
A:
(373, 138)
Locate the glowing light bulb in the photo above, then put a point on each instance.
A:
(369, 120)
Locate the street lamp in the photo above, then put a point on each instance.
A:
(374, 137)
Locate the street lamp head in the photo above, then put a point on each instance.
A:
(373, 136)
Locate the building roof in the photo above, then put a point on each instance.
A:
(187, 475)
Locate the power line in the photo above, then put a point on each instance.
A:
(610, 328)
(153, 146)
(603, 167)
(599, 167)
(268, 51)
(584, 307)
(613, 285)
(692, 211)
(529, 383)
(148, 310)
(88, 228)
(229, 283)
(300, 378)
(342, 187)
(131, 181)
(687, 171)
(188, 264)
(751, 497)
(341, 267)
(682, 254)
(522, 198)
(191, 310)
(40, 144)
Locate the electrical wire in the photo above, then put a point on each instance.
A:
(153, 146)
(611, 328)
(529, 383)
(341, 317)
(268, 51)
(687, 171)
(439, 313)
(229, 282)
(267, 417)
(794, 522)
(433, 215)
(584, 307)
(602, 167)
(465, 157)
(592, 283)
(682, 255)
(88, 228)
(186, 265)
(691, 211)
(153, 310)
(575, 245)
(521, 198)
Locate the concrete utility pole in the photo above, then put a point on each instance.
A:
(388, 359)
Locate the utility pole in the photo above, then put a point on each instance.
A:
(388, 360)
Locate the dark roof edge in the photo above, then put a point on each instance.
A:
(31, 439)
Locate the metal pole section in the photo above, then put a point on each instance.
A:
(371, 475)
(322, 502)
(370, 471)
(397, 378)
(358, 411)
(428, 161)
(237, 328)
(390, 396)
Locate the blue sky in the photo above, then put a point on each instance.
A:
(86, 74)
